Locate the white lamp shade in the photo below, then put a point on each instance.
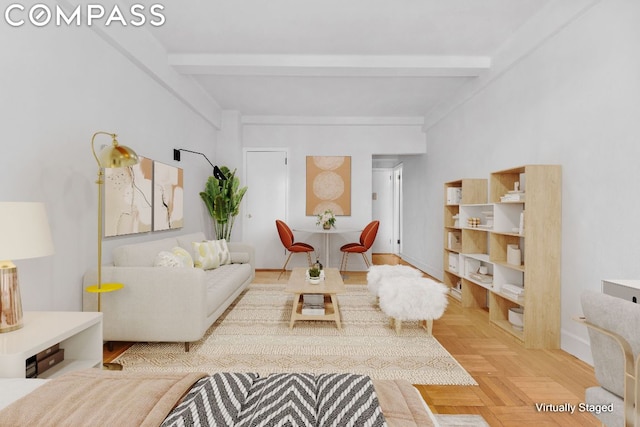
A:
(24, 231)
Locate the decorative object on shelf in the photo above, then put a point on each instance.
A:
(456, 220)
(453, 262)
(454, 240)
(473, 222)
(25, 234)
(314, 276)
(327, 219)
(222, 196)
(521, 226)
(488, 215)
(516, 318)
(454, 195)
(514, 255)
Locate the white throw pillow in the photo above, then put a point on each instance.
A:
(167, 259)
(184, 256)
(211, 254)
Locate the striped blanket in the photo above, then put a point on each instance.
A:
(246, 400)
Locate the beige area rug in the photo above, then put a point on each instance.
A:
(253, 335)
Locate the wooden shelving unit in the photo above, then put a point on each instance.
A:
(486, 245)
(472, 191)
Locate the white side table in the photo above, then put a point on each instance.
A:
(625, 289)
(79, 333)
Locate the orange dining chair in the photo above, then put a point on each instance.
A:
(287, 239)
(367, 237)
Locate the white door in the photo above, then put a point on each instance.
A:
(382, 210)
(397, 210)
(266, 201)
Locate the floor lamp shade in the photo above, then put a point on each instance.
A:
(24, 231)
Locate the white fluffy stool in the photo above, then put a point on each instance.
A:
(413, 298)
(378, 273)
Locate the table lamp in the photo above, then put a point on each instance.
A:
(113, 156)
(24, 233)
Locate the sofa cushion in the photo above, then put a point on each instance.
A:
(223, 282)
(211, 254)
(141, 254)
(185, 241)
(184, 256)
(240, 257)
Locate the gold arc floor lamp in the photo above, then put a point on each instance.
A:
(24, 233)
(113, 156)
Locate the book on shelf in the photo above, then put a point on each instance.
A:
(515, 292)
(313, 309)
(313, 299)
(513, 196)
(481, 278)
(456, 292)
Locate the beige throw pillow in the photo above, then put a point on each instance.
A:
(211, 254)
(167, 259)
(225, 255)
(184, 256)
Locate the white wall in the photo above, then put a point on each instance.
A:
(58, 87)
(574, 101)
(358, 141)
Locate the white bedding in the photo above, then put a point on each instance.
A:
(12, 389)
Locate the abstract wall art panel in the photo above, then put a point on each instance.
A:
(168, 197)
(328, 184)
(127, 199)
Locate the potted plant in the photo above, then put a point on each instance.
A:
(314, 275)
(222, 196)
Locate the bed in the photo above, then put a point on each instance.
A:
(97, 397)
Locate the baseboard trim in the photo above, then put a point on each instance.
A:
(576, 346)
(431, 271)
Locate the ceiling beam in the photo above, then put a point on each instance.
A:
(330, 65)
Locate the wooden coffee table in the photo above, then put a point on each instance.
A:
(330, 287)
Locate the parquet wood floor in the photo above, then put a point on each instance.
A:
(511, 379)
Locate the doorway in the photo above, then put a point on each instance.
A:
(265, 201)
(386, 206)
(382, 209)
(397, 209)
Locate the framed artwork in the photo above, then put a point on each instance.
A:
(127, 199)
(328, 184)
(168, 197)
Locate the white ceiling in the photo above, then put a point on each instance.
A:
(380, 58)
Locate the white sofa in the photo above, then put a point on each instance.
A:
(167, 304)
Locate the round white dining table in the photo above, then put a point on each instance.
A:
(327, 237)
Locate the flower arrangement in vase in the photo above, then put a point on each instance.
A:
(327, 219)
